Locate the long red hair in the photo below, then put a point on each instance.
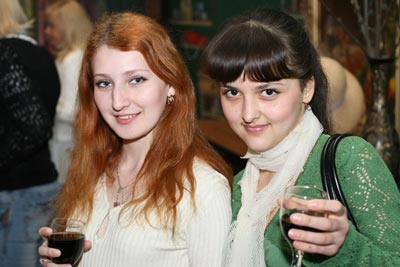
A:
(168, 164)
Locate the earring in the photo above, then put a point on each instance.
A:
(170, 99)
(307, 106)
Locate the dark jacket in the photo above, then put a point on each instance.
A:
(29, 90)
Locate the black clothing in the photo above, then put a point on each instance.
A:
(29, 90)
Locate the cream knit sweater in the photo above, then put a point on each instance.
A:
(200, 237)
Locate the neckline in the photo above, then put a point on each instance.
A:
(22, 37)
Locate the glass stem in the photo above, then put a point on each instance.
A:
(297, 258)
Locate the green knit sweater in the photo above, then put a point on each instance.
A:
(373, 198)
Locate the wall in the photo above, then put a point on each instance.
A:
(217, 13)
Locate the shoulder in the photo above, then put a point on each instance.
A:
(7, 54)
(358, 163)
(28, 54)
(354, 149)
(73, 57)
(206, 175)
(209, 183)
(353, 154)
(11, 67)
(350, 151)
(25, 47)
(349, 146)
(355, 143)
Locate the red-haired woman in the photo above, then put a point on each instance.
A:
(144, 179)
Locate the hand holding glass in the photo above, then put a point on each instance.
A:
(68, 237)
(295, 200)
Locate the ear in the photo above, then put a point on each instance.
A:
(171, 91)
(308, 91)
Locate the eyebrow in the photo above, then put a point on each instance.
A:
(228, 86)
(130, 72)
(126, 73)
(261, 86)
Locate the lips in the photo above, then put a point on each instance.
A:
(125, 118)
(255, 129)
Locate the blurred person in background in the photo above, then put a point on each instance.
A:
(29, 89)
(67, 29)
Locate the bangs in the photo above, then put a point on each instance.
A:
(256, 53)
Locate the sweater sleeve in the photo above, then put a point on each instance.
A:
(208, 229)
(27, 124)
(374, 200)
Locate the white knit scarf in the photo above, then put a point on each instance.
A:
(287, 159)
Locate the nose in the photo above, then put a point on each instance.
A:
(120, 98)
(250, 111)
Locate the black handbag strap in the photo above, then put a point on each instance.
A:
(330, 179)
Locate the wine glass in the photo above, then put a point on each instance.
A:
(294, 201)
(68, 237)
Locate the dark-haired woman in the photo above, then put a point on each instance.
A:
(274, 96)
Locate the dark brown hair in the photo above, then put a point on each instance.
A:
(267, 45)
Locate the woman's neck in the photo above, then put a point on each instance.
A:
(132, 159)
(264, 179)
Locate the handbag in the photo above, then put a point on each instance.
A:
(330, 179)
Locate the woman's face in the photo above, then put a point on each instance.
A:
(129, 96)
(53, 32)
(263, 113)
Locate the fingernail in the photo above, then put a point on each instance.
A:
(293, 234)
(295, 218)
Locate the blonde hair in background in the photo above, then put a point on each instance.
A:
(73, 22)
(12, 18)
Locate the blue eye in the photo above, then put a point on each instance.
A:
(103, 84)
(137, 80)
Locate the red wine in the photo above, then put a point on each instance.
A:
(287, 225)
(70, 244)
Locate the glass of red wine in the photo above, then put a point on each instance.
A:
(294, 200)
(68, 237)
